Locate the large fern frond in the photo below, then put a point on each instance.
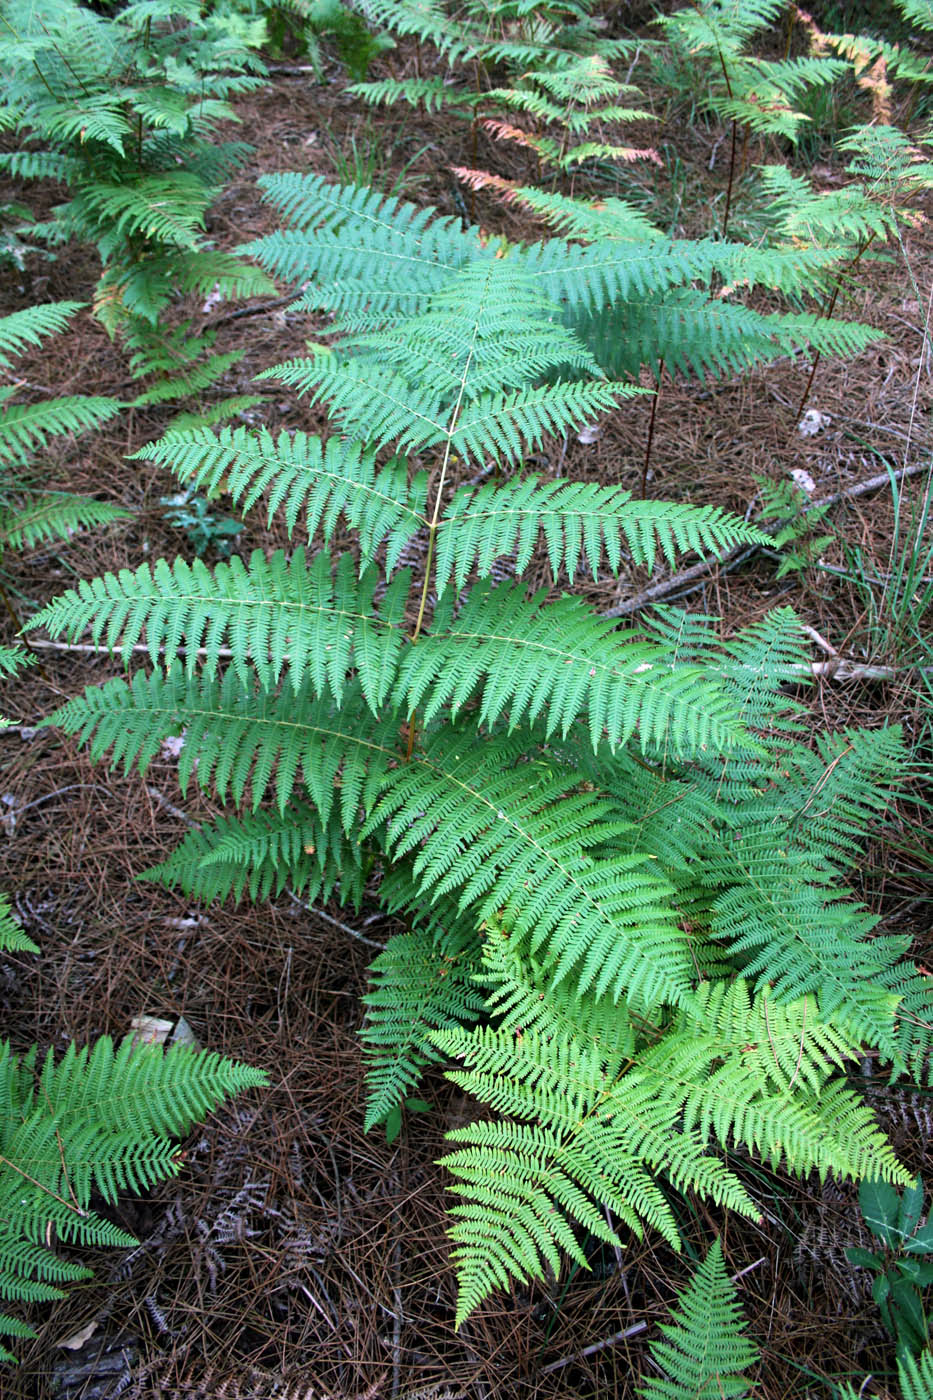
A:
(26, 427)
(578, 521)
(590, 1125)
(464, 374)
(262, 853)
(94, 1121)
(573, 1144)
(237, 738)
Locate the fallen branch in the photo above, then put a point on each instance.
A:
(679, 583)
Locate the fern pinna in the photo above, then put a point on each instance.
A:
(619, 861)
(30, 513)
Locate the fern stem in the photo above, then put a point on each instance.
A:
(427, 578)
(651, 423)
(829, 315)
(725, 217)
(439, 496)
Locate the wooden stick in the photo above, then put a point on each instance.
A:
(626, 1332)
(678, 582)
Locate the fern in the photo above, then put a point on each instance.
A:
(31, 326)
(277, 617)
(98, 1121)
(102, 104)
(303, 475)
(619, 863)
(423, 981)
(12, 937)
(590, 1122)
(630, 302)
(755, 93)
(915, 1373)
(29, 514)
(704, 1352)
(262, 853)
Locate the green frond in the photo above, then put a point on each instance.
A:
(754, 665)
(915, 1373)
(12, 1327)
(588, 1124)
(704, 1352)
(223, 275)
(515, 835)
(920, 13)
(462, 375)
(31, 326)
(432, 94)
(888, 161)
(237, 739)
(580, 521)
(712, 25)
(52, 517)
(39, 165)
(91, 117)
(558, 661)
(353, 241)
(94, 1121)
(140, 1089)
(302, 476)
(588, 279)
(273, 618)
(780, 909)
(24, 428)
(425, 18)
(609, 218)
(262, 853)
(914, 1021)
(188, 380)
(14, 659)
(166, 208)
(754, 1071)
(29, 1271)
(697, 336)
(423, 981)
(513, 982)
(576, 1139)
(12, 938)
(795, 211)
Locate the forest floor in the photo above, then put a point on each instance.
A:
(295, 1256)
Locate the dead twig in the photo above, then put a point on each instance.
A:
(683, 581)
(626, 1332)
(622, 1336)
